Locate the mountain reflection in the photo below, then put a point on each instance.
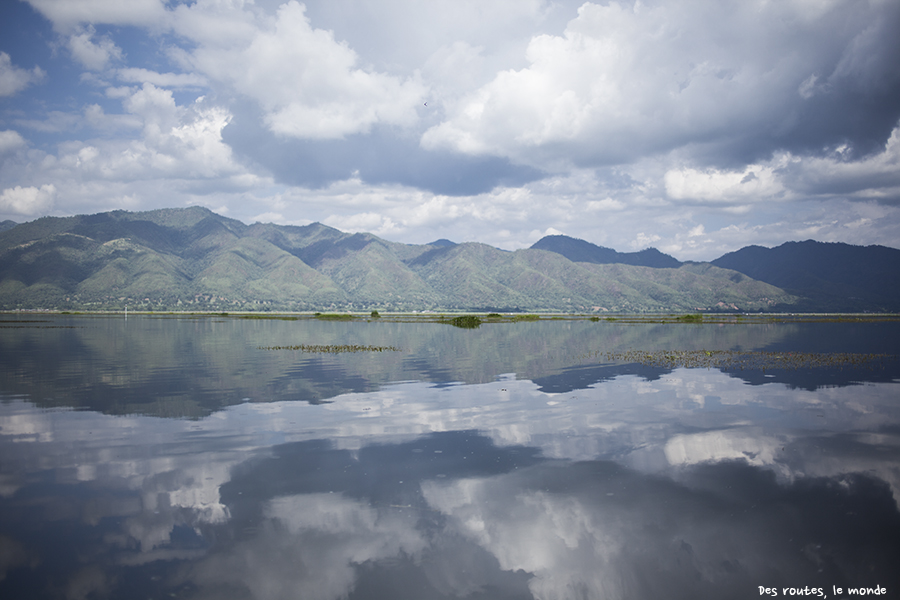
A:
(581, 481)
(191, 367)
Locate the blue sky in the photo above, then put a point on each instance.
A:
(695, 127)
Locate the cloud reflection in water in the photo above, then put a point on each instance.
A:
(691, 485)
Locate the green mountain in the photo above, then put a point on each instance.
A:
(194, 259)
(581, 251)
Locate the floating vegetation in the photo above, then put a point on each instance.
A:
(375, 315)
(690, 319)
(734, 359)
(720, 318)
(526, 318)
(270, 317)
(332, 348)
(334, 316)
(26, 326)
(494, 316)
(466, 321)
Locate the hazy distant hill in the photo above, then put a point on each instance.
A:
(4, 225)
(194, 259)
(831, 276)
(581, 251)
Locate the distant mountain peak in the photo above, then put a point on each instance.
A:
(194, 259)
(833, 275)
(578, 250)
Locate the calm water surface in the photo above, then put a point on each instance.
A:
(164, 457)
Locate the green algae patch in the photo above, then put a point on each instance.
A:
(334, 316)
(466, 321)
(733, 359)
(332, 348)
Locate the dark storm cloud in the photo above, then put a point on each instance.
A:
(727, 86)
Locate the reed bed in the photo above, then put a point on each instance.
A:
(735, 359)
(332, 348)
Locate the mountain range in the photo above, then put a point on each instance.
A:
(194, 259)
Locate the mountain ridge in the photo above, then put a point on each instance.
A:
(195, 259)
(578, 250)
(833, 275)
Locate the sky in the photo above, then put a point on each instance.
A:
(695, 127)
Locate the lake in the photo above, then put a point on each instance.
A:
(223, 457)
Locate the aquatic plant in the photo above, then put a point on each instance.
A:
(332, 349)
(375, 315)
(334, 316)
(690, 319)
(734, 359)
(466, 321)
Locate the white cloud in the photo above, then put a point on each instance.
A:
(10, 141)
(215, 24)
(369, 222)
(53, 122)
(177, 157)
(693, 104)
(94, 55)
(177, 80)
(752, 184)
(27, 200)
(176, 141)
(14, 79)
(308, 84)
(157, 108)
(475, 35)
(789, 176)
(644, 240)
(627, 80)
(66, 14)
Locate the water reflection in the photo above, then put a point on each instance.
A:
(691, 485)
(585, 481)
(191, 367)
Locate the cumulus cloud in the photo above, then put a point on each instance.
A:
(13, 79)
(158, 148)
(27, 200)
(753, 183)
(308, 83)
(625, 80)
(678, 124)
(10, 141)
(789, 176)
(93, 54)
(183, 141)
